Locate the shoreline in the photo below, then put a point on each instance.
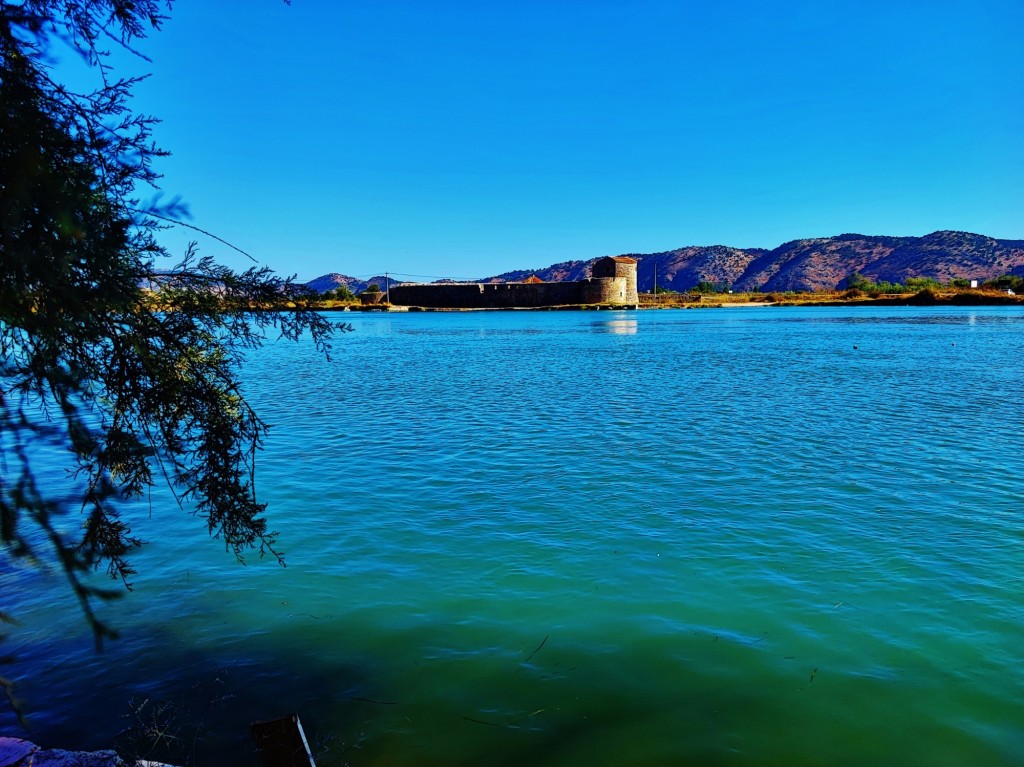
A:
(915, 299)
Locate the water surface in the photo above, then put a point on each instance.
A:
(758, 536)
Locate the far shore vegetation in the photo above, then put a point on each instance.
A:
(1007, 289)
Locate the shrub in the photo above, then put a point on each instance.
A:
(858, 281)
(1006, 282)
(710, 287)
(926, 296)
(890, 287)
(921, 283)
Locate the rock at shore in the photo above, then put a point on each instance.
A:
(15, 752)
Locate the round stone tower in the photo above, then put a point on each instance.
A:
(622, 270)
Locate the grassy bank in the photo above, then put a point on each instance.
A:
(926, 297)
(853, 297)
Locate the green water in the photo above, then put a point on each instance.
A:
(721, 537)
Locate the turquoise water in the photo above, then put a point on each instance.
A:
(752, 536)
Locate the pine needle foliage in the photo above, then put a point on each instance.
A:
(110, 352)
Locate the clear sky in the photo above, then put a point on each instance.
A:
(464, 139)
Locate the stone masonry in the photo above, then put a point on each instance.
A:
(613, 283)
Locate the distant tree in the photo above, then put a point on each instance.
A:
(710, 287)
(960, 282)
(373, 287)
(129, 367)
(341, 293)
(921, 283)
(859, 281)
(1006, 282)
(884, 286)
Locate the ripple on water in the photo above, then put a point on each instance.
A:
(719, 537)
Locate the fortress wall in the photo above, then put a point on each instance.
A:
(532, 294)
(438, 296)
(601, 290)
(487, 296)
(614, 282)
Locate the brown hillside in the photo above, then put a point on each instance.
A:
(821, 263)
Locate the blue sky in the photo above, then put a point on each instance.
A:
(463, 139)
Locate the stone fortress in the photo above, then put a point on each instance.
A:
(613, 283)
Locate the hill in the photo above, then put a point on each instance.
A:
(334, 280)
(815, 264)
(822, 263)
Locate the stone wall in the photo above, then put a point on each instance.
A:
(613, 283)
(487, 295)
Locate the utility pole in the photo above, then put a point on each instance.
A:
(655, 291)
(387, 288)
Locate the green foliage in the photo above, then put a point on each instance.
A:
(884, 286)
(918, 284)
(373, 287)
(874, 289)
(710, 287)
(341, 293)
(127, 365)
(857, 281)
(660, 291)
(1006, 282)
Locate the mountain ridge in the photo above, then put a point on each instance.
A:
(817, 263)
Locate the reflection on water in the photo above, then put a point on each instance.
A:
(620, 327)
(942, 317)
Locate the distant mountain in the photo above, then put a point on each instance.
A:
(567, 271)
(816, 264)
(334, 280)
(821, 263)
